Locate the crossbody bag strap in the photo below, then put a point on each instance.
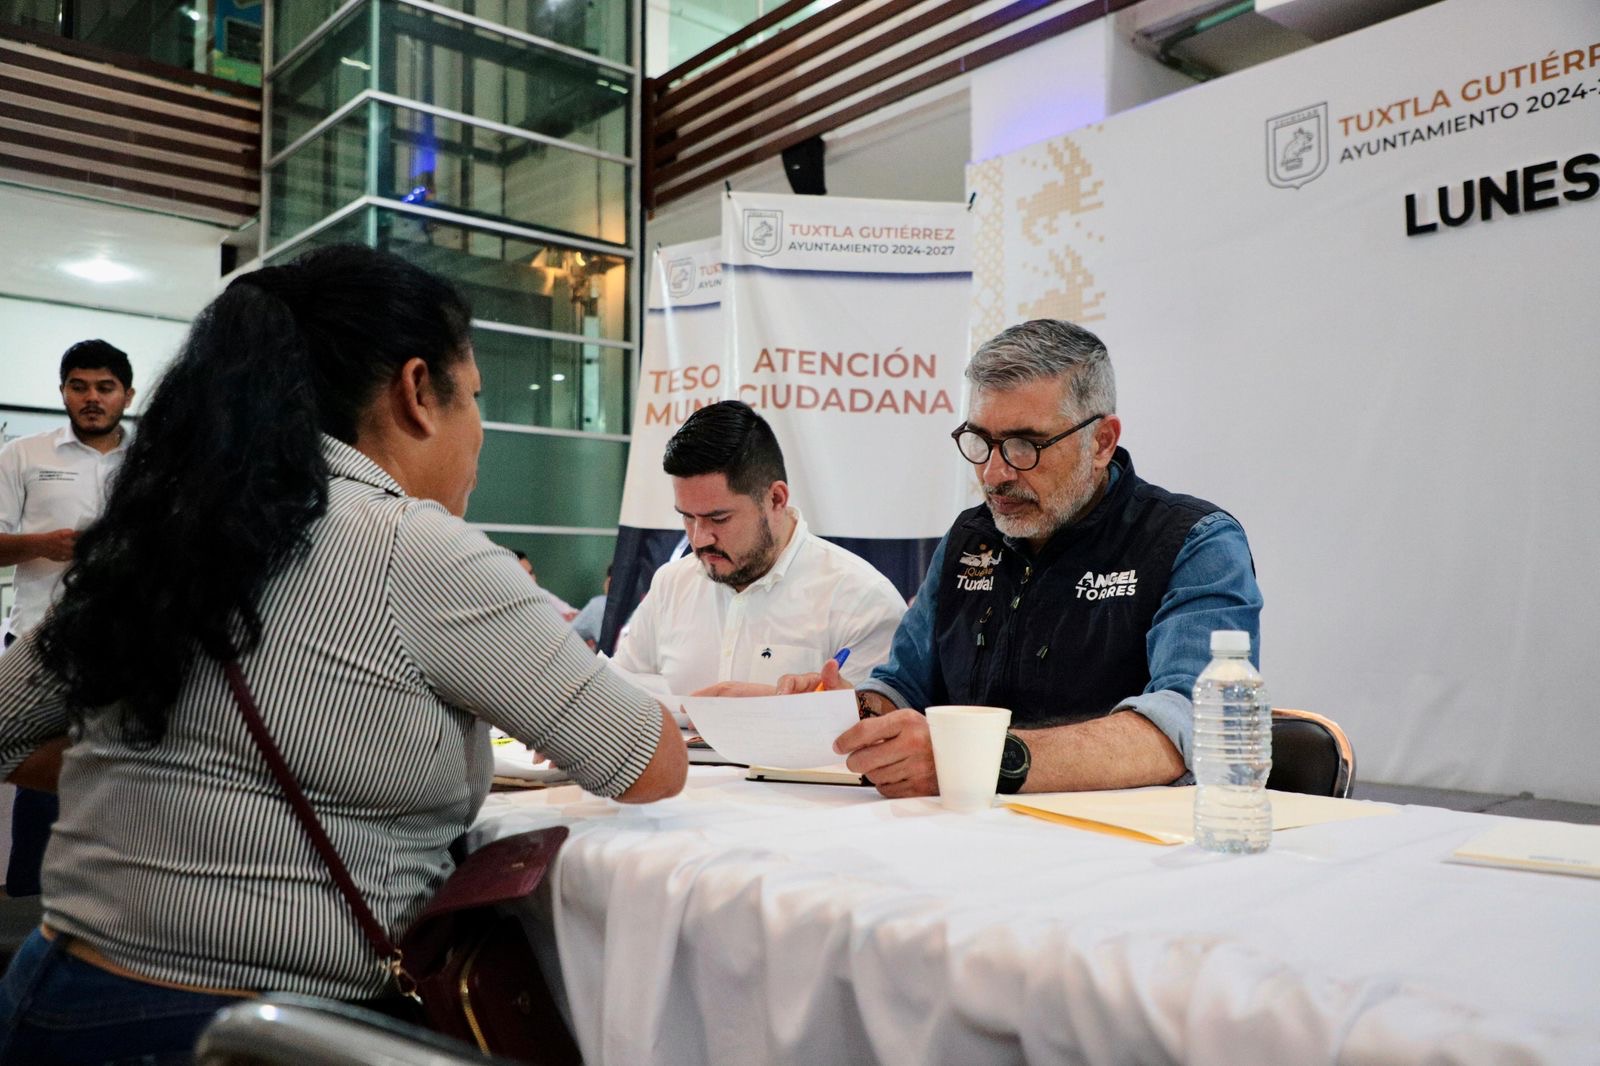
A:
(370, 926)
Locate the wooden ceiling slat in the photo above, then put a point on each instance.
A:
(669, 119)
(725, 165)
(135, 64)
(55, 94)
(729, 136)
(108, 78)
(94, 153)
(234, 157)
(670, 96)
(242, 208)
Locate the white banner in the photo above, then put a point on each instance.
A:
(1350, 297)
(680, 371)
(847, 329)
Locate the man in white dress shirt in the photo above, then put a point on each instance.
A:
(53, 485)
(760, 596)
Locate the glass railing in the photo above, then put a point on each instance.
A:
(440, 61)
(456, 67)
(599, 28)
(493, 160)
(319, 81)
(515, 282)
(463, 167)
(450, 165)
(539, 381)
(323, 175)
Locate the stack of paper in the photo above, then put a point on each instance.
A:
(1526, 844)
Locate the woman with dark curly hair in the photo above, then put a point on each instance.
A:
(291, 503)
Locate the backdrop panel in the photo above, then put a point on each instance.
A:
(847, 329)
(1349, 296)
(680, 370)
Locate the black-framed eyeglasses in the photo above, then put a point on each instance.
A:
(1019, 453)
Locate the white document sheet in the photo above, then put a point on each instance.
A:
(790, 732)
(1526, 844)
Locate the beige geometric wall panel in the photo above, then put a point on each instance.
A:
(1039, 234)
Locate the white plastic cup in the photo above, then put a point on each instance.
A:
(967, 745)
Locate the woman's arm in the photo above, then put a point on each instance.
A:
(40, 770)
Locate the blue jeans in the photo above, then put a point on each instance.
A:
(57, 1010)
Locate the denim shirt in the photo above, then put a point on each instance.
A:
(1213, 586)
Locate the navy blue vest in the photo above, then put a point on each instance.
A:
(1058, 637)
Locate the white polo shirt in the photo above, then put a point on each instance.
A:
(690, 631)
(50, 481)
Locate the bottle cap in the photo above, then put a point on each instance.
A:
(1230, 642)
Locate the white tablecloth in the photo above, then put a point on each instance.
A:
(770, 923)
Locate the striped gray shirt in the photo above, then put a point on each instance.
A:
(385, 652)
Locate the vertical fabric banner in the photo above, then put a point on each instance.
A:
(680, 370)
(846, 327)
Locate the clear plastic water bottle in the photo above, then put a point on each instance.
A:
(1232, 750)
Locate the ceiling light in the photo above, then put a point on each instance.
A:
(534, 387)
(558, 377)
(347, 61)
(100, 269)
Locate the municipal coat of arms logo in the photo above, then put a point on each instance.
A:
(763, 231)
(680, 278)
(1297, 146)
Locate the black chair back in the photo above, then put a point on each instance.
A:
(1310, 755)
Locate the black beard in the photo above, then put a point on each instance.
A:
(83, 431)
(757, 563)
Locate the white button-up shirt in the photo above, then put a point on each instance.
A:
(690, 631)
(49, 481)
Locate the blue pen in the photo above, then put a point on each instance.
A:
(838, 660)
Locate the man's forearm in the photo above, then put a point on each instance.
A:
(19, 548)
(1118, 751)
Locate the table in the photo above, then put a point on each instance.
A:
(747, 922)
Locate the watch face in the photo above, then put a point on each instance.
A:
(1014, 759)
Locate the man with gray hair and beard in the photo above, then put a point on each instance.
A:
(1078, 595)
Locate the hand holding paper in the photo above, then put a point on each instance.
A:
(792, 732)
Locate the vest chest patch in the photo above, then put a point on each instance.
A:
(977, 570)
(1093, 586)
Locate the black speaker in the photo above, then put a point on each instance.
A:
(803, 164)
